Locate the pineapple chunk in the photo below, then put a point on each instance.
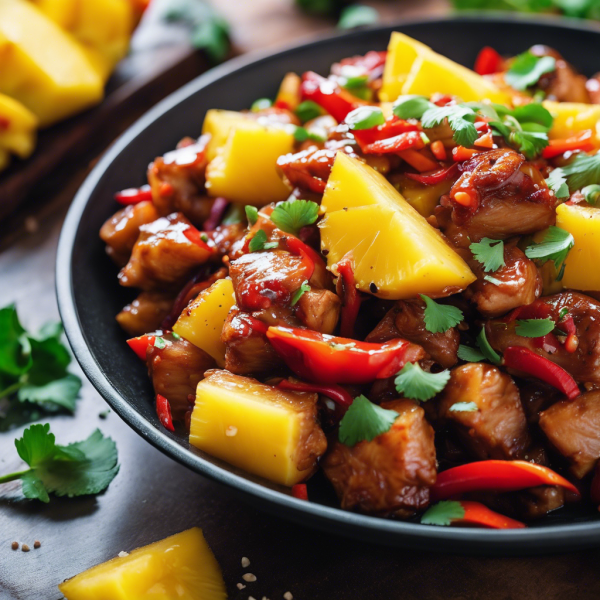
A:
(570, 118)
(265, 431)
(180, 567)
(583, 223)
(201, 323)
(396, 253)
(423, 198)
(245, 168)
(17, 130)
(42, 67)
(219, 124)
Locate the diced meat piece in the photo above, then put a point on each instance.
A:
(390, 475)
(177, 181)
(536, 397)
(247, 349)
(507, 197)
(145, 313)
(319, 310)
(275, 116)
(584, 363)
(121, 231)
(175, 371)
(528, 504)
(406, 320)
(163, 257)
(498, 428)
(573, 428)
(520, 283)
(225, 236)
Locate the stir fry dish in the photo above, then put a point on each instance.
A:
(388, 273)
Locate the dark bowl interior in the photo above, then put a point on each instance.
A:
(89, 296)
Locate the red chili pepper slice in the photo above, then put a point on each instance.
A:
(392, 127)
(140, 344)
(527, 361)
(328, 359)
(195, 236)
(335, 392)
(134, 195)
(439, 150)
(480, 515)
(328, 95)
(404, 141)
(495, 475)
(352, 299)
(310, 257)
(435, 177)
(488, 61)
(460, 153)
(300, 491)
(548, 343)
(582, 141)
(163, 410)
(536, 310)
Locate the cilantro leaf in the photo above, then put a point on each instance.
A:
(364, 421)
(365, 117)
(292, 215)
(469, 354)
(251, 214)
(461, 119)
(305, 287)
(529, 143)
(59, 393)
(591, 193)
(490, 253)
(534, 328)
(583, 171)
(259, 242)
(411, 106)
(15, 349)
(417, 384)
(555, 246)
(464, 407)
(557, 182)
(440, 317)
(308, 110)
(443, 513)
(357, 16)
(527, 69)
(489, 353)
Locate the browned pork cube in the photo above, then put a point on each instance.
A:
(390, 475)
(498, 428)
(145, 313)
(573, 428)
(319, 310)
(163, 256)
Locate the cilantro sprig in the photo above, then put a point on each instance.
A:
(583, 171)
(292, 215)
(483, 351)
(534, 328)
(527, 69)
(259, 242)
(443, 513)
(469, 354)
(364, 421)
(79, 469)
(417, 384)
(557, 182)
(555, 246)
(305, 287)
(490, 253)
(440, 317)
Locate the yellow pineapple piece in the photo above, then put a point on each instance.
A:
(423, 198)
(180, 567)
(17, 130)
(219, 124)
(42, 67)
(256, 427)
(396, 253)
(570, 118)
(201, 323)
(583, 223)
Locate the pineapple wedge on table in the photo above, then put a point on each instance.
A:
(17, 130)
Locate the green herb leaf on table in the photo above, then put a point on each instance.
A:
(490, 253)
(293, 215)
(440, 317)
(443, 513)
(583, 171)
(417, 384)
(411, 106)
(305, 287)
(489, 353)
(357, 15)
(534, 328)
(15, 349)
(555, 246)
(251, 214)
(461, 119)
(464, 407)
(527, 69)
(364, 421)
(557, 182)
(469, 354)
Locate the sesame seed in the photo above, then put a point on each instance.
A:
(15, 545)
(25, 548)
(123, 554)
(37, 544)
(240, 586)
(230, 432)
(250, 577)
(245, 562)
(288, 596)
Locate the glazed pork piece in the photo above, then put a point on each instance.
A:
(584, 363)
(163, 256)
(405, 320)
(390, 475)
(145, 313)
(501, 196)
(175, 371)
(121, 231)
(498, 428)
(519, 283)
(573, 428)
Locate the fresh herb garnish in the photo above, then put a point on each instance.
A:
(261, 104)
(301, 134)
(440, 317)
(259, 242)
(292, 215)
(159, 342)
(305, 287)
(78, 469)
(443, 513)
(557, 182)
(234, 214)
(364, 421)
(583, 171)
(357, 16)
(365, 117)
(527, 69)
(461, 119)
(591, 193)
(534, 328)
(490, 253)
(464, 407)
(489, 353)
(251, 214)
(308, 110)
(469, 354)
(417, 384)
(555, 246)
(411, 106)
(563, 313)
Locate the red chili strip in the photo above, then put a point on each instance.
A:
(436, 177)
(335, 392)
(300, 491)
(195, 236)
(163, 410)
(352, 299)
(480, 515)
(328, 95)
(134, 195)
(140, 344)
(583, 141)
(398, 143)
(488, 61)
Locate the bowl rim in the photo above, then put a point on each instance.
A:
(539, 539)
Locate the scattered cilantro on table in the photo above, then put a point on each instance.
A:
(364, 421)
(357, 15)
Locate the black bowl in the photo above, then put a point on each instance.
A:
(89, 296)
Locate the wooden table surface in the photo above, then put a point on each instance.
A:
(153, 497)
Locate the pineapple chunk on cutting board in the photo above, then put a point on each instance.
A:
(17, 130)
(256, 427)
(396, 254)
(180, 567)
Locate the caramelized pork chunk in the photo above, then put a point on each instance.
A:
(517, 283)
(163, 256)
(506, 197)
(145, 313)
(175, 371)
(225, 236)
(392, 474)
(498, 428)
(573, 428)
(584, 363)
(121, 231)
(406, 320)
(177, 181)
(319, 310)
